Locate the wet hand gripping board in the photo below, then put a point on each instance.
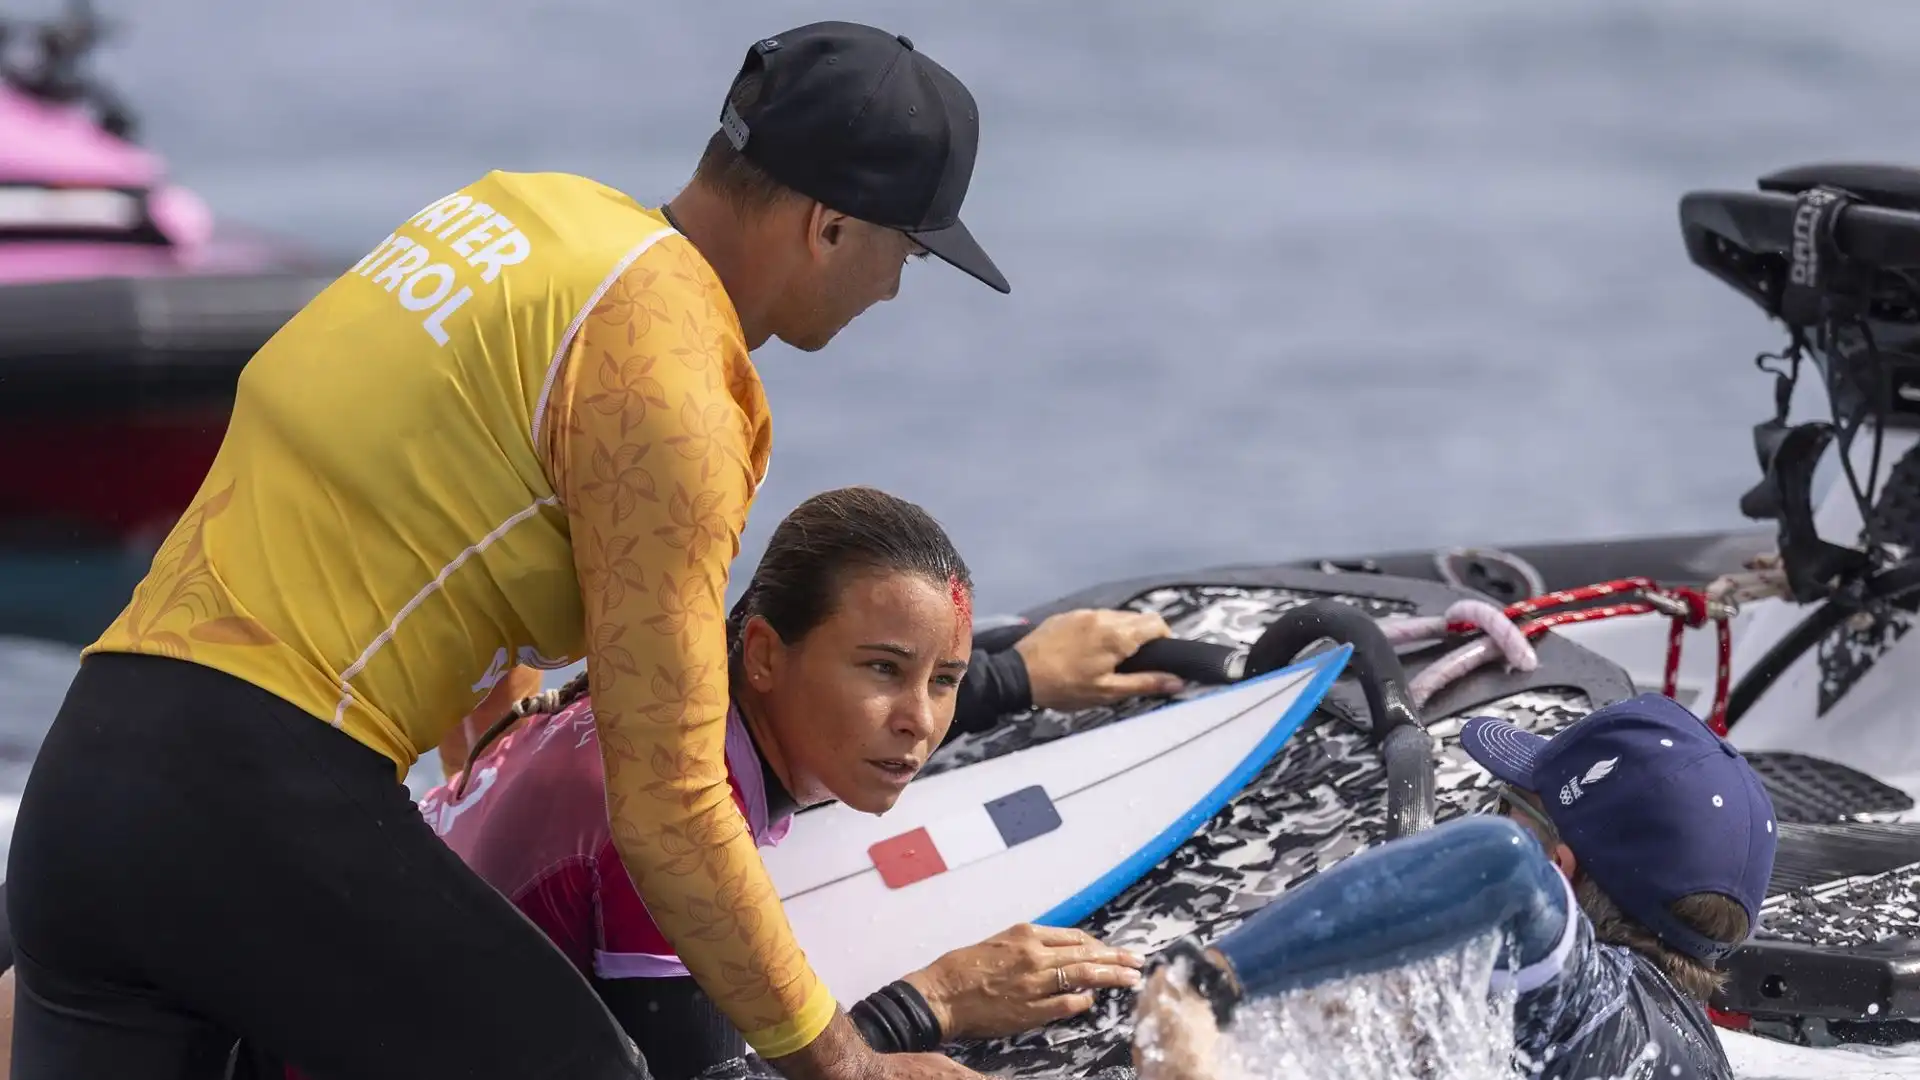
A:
(1045, 835)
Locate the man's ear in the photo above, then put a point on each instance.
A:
(1562, 857)
(826, 228)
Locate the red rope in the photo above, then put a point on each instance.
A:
(1549, 601)
(1685, 607)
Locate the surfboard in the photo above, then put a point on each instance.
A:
(1043, 835)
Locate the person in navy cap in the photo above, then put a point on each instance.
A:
(1631, 855)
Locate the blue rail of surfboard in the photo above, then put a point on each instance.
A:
(1085, 902)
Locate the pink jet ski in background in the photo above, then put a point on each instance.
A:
(126, 314)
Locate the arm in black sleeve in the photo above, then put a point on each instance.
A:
(995, 686)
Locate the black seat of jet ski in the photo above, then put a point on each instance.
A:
(1816, 791)
(1834, 820)
(1810, 855)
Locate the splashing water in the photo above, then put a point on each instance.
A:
(1428, 1021)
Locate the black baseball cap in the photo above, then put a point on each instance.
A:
(860, 120)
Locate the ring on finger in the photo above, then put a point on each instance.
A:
(1060, 975)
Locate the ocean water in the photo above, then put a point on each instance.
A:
(1288, 279)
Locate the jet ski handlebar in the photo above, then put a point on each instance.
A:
(1397, 729)
(1195, 661)
(1831, 251)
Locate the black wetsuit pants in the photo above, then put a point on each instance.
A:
(197, 861)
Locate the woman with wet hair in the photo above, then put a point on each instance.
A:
(845, 654)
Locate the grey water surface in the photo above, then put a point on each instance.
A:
(1288, 279)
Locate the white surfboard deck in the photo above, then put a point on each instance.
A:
(1073, 822)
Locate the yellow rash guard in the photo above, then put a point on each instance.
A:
(532, 384)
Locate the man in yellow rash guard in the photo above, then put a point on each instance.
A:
(523, 429)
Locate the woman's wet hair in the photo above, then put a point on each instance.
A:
(829, 539)
(544, 703)
(814, 552)
(1717, 917)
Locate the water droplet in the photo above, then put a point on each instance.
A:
(1873, 1010)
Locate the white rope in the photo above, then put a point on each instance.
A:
(1502, 638)
(1765, 578)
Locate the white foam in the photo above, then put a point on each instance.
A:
(1421, 1020)
(1755, 1058)
(1442, 1029)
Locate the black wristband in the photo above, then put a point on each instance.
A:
(923, 1025)
(896, 1019)
(870, 1017)
(1207, 976)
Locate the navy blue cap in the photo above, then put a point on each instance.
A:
(1653, 804)
(860, 120)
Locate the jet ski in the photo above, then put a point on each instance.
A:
(1790, 637)
(126, 314)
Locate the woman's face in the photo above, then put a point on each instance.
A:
(858, 705)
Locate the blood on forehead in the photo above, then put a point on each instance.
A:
(962, 609)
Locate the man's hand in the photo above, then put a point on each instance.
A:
(1174, 1033)
(1012, 981)
(1070, 658)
